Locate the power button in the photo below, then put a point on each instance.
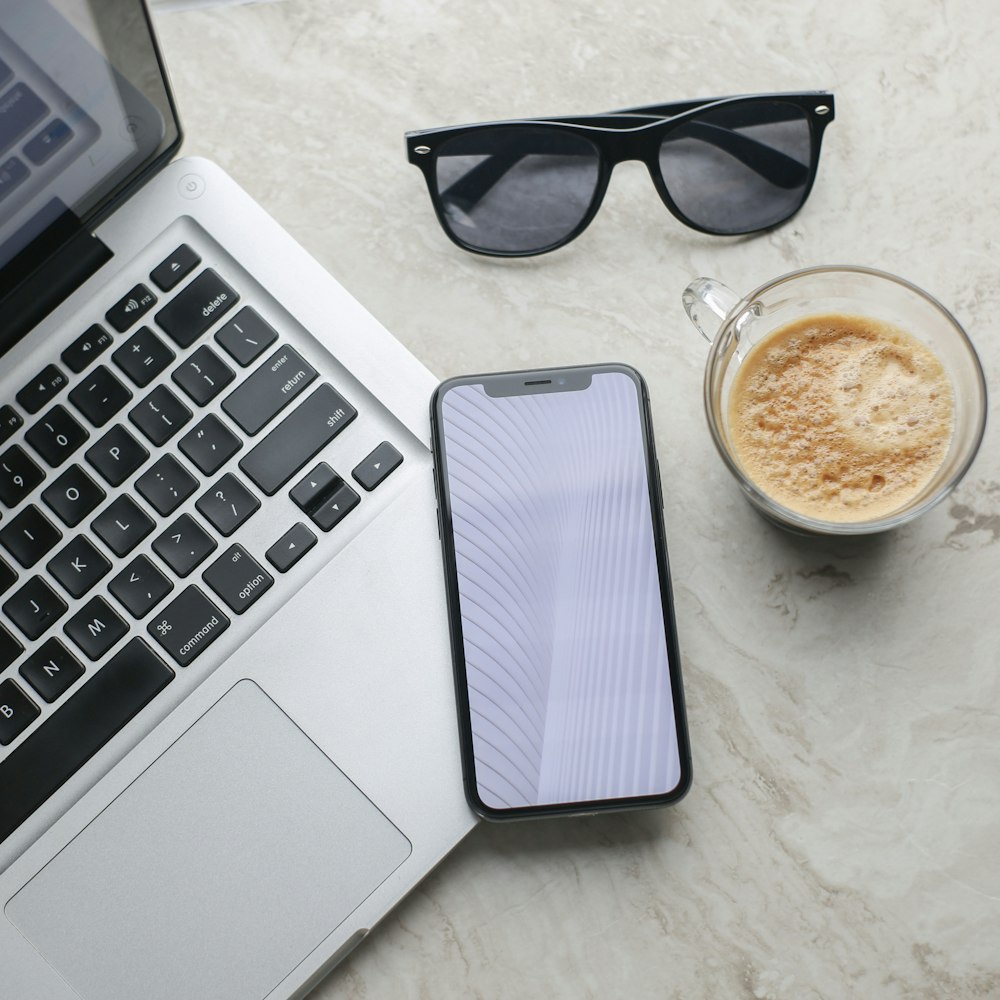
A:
(191, 186)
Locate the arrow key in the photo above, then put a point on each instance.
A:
(310, 493)
(290, 548)
(140, 586)
(373, 470)
(333, 510)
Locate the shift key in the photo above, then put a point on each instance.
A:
(298, 437)
(269, 390)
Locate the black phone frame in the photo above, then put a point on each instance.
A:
(537, 381)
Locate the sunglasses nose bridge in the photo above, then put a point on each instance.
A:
(629, 146)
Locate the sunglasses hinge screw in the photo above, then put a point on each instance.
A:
(422, 149)
(822, 109)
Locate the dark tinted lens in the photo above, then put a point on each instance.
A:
(741, 168)
(516, 190)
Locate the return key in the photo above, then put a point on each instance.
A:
(269, 390)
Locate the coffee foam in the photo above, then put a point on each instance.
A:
(841, 418)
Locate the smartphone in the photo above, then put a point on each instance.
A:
(567, 674)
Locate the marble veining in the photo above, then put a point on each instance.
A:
(842, 838)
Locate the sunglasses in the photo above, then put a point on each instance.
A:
(726, 166)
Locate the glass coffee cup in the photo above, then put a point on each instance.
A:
(735, 326)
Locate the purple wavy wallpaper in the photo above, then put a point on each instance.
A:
(565, 651)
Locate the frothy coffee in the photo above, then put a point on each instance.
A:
(841, 418)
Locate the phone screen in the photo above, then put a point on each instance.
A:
(563, 628)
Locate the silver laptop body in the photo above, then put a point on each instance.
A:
(227, 734)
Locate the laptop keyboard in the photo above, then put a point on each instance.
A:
(116, 461)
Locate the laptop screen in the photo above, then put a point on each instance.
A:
(85, 115)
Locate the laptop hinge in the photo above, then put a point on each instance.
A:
(48, 286)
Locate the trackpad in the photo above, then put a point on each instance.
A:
(217, 870)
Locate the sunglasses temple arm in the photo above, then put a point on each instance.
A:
(772, 164)
(472, 187)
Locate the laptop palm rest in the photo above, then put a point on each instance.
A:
(239, 847)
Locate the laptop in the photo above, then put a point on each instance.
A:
(227, 731)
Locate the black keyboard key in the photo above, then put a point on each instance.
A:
(18, 475)
(73, 496)
(95, 628)
(117, 455)
(184, 545)
(20, 109)
(227, 504)
(48, 142)
(204, 375)
(13, 173)
(78, 566)
(160, 415)
(310, 426)
(290, 548)
(88, 346)
(17, 712)
(29, 536)
(10, 649)
(335, 507)
(310, 492)
(130, 308)
(140, 586)
(56, 436)
(40, 390)
(7, 577)
(143, 356)
(122, 525)
(10, 422)
(238, 578)
(188, 625)
(210, 444)
(271, 388)
(34, 607)
(100, 396)
(196, 308)
(77, 730)
(246, 336)
(380, 463)
(175, 268)
(166, 485)
(51, 670)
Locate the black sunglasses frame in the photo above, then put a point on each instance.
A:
(629, 134)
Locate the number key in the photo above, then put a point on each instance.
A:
(18, 476)
(56, 436)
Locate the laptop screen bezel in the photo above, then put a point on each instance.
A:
(28, 264)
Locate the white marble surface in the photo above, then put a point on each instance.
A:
(841, 837)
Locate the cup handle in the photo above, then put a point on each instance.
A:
(708, 302)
